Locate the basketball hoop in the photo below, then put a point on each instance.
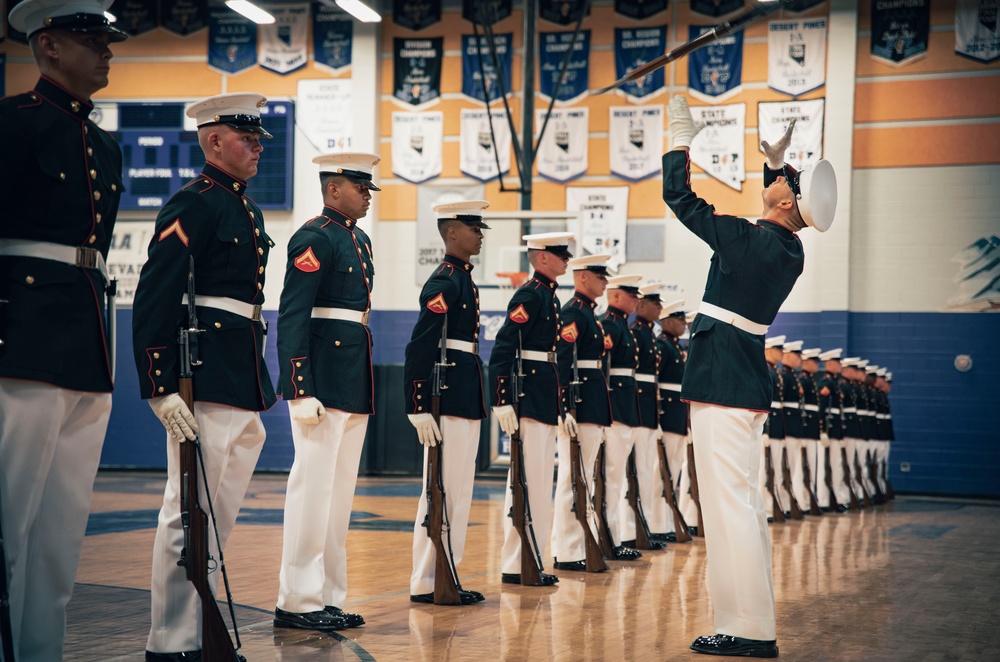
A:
(511, 280)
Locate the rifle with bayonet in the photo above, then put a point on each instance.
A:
(446, 584)
(581, 495)
(195, 557)
(807, 481)
(520, 510)
(786, 481)
(680, 526)
(695, 495)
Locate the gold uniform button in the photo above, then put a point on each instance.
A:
(218, 325)
(236, 240)
(260, 270)
(260, 286)
(97, 195)
(298, 364)
(92, 239)
(29, 280)
(85, 131)
(252, 216)
(90, 151)
(532, 371)
(420, 385)
(301, 392)
(420, 397)
(75, 106)
(159, 390)
(337, 343)
(299, 378)
(420, 408)
(93, 174)
(62, 176)
(256, 231)
(114, 187)
(97, 217)
(158, 373)
(350, 269)
(464, 306)
(156, 355)
(260, 251)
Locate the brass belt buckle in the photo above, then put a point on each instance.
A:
(86, 258)
(475, 347)
(256, 316)
(364, 317)
(550, 357)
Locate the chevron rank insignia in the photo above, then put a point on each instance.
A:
(307, 262)
(519, 315)
(437, 304)
(825, 391)
(177, 229)
(569, 332)
(608, 342)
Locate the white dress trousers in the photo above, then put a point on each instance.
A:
(837, 470)
(676, 445)
(738, 544)
(231, 440)
(765, 450)
(819, 473)
(567, 534)
(50, 448)
(318, 503)
(459, 447)
(647, 468)
(620, 440)
(794, 447)
(539, 443)
(856, 458)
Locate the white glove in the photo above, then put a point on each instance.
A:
(682, 126)
(776, 153)
(306, 410)
(659, 434)
(568, 425)
(427, 428)
(824, 439)
(175, 416)
(506, 418)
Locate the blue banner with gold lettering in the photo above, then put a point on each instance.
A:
(900, 29)
(715, 72)
(135, 16)
(333, 37)
(232, 41)
(416, 75)
(184, 17)
(635, 47)
(472, 75)
(551, 51)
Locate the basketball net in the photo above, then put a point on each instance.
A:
(510, 281)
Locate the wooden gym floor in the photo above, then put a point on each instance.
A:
(916, 579)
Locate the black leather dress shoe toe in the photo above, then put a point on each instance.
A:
(313, 620)
(840, 508)
(515, 578)
(351, 620)
(663, 537)
(625, 554)
(576, 566)
(724, 644)
(475, 595)
(693, 530)
(467, 597)
(189, 656)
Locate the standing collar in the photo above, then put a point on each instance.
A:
(779, 230)
(339, 217)
(62, 99)
(224, 179)
(544, 280)
(585, 299)
(616, 312)
(643, 323)
(458, 262)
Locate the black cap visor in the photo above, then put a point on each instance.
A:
(82, 22)
(468, 219)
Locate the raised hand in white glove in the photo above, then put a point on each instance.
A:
(824, 439)
(175, 416)
(568, 425)
(506, 418)
(776, 152)
(682, 126)
(306, 410)
(427, 428)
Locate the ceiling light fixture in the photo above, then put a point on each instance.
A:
(251, 11)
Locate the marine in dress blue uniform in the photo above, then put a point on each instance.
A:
(449, 303)
(831, 418)
(620, 362)
(794, 416)
(581, 337)
(325, 359)
(773, 438)
(529, 333)
(212, 220)
(811, 432)
(752, 271)
(853, 432)
(60, 176)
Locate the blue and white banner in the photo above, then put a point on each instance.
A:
(715, 72)
(416, 70)
(552, 50)
(976, 33)
(806, 147)
(283, 43)
(796, 55)
(562, 152)
(635, 47)
(416, 14)
(563, 12)
(477, 156)
(325, 113)
(900, 29)
(719, 148)
(635, 141)
(232, 41)
(640, 9)
(472, 83)
(333, 38)
(135, 16)
(603, 220)
(716, 8)
(416, 145)
(184, 17)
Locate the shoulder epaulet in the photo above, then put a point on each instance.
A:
(199, 185)
(23, 100)
(445, 270)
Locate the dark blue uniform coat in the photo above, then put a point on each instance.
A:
(581, 328)
(791, 392)
(649, 361)
(673, 410)
(849, 398)
(831, 422)
(810, 419)
(621, 352)
(775, 426)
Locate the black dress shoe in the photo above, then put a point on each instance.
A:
(623, 553)
(190, 656)
(576, 566)
(723, 644)
(352, 620)
(515, 578)
(313, 620)
(840, 508)
(663, 537)
(467, 597)
(693, 530)
(479, 597)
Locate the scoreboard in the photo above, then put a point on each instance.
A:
(160, 152)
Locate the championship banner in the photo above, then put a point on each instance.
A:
(562, 154)
(416, 14)
(416, 70)
(635, 141)
(900, 29)
(603, 220)
(430, 248)
(416, 145)
(715, 72)
(806, 147)
(486, 12)
(640, 9)
(283, 43)
(476, 156)
(719, 148)
(552, 49)
(472, 84)
(716, 8)
(324, 113)
(635, 47)
(333, 38)
(135, 16)
(184, 17)
(127, 255)
(232, 41)
(796, 55)
(563, 12)
(976, 34)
